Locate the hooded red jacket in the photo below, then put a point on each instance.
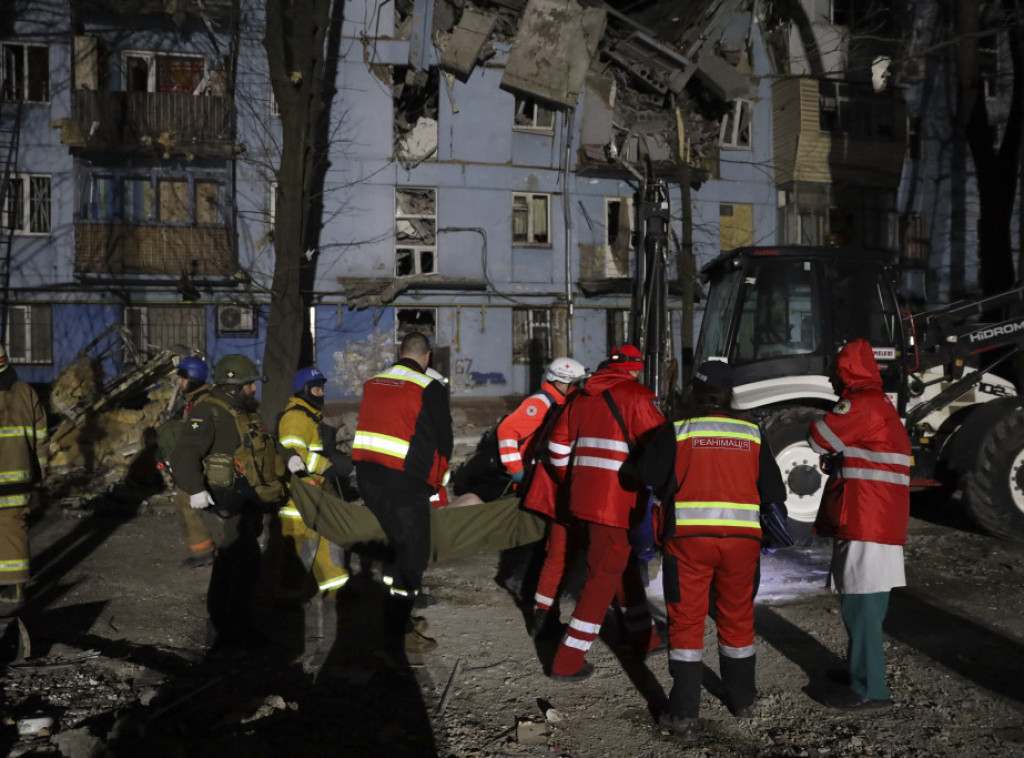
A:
(587, 446)
(867, 497)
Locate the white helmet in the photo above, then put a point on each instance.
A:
(565, 370)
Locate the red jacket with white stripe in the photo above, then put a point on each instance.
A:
(867, 497)
(515, 432)
(587, 446)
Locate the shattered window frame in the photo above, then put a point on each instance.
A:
(29, 334)
(737, 131)
(415, 232)
(530, 114)
(25, 75)
(155, 62)
(27, 205)
(532, 328)
(531, 219)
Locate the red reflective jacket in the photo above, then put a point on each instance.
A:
(867, 497)
(515, 432)
(587, 446)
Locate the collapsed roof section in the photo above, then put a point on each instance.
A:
(653, 70)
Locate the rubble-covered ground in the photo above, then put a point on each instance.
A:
(117, 658)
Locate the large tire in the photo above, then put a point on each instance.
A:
(786, 430)
(994, 488)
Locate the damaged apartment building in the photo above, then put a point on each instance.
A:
(484, 163)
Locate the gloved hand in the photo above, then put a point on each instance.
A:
(200, 500)
(296, 466)
(518, 476)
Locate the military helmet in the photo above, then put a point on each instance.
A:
(192, 368)
(235, 369)
(307, 375)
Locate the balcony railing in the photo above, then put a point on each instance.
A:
(128, 249)
(163, 123)
(207, 8)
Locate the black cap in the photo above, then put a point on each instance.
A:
(716, 374)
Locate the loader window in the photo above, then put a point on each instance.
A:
(779, 313)
(714, 331)
(864, 306)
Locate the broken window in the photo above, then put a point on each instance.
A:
(415, 231)
(158, 327)
(531, 219)
(26, 73)
(532, 116)
(415, 113)
(617, 328)
(403, 18)
(151, 72)
(26, 206)
(174, 200)
(618, 235)
(29, 337)
(736, 126)
(531, 335)
(422, 320)
(855, 110)
(207, 202)
(988, 64)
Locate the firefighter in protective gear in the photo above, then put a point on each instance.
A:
(23, 458)
(401, 449)
(227, 463)
(865, 510)
(712, 473)
(301, 429)
(191, 376)
(589, 444)
(517, 446)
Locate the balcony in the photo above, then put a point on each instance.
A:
(159, 123)
(131, 249)
(221, 9)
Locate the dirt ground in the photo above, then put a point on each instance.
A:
(117, 659)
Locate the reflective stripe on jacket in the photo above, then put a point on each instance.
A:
(867, 496)
(404, 426)
(516, 431)
(587, 446)
(299, 430)
(23, 444)
(717, 462)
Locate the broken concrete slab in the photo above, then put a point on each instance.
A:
(466, 44)
(552, 50)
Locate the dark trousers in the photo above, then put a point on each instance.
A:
(405, 518)
(230, 598)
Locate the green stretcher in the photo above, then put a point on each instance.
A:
(455, 531)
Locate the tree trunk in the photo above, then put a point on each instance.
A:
(299, 38)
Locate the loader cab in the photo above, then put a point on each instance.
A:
(780, 315)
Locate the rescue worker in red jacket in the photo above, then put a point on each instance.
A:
(865, 509)
(401, 449)
(517, 439)
(711, 472)
(588, 446)
(24, 453)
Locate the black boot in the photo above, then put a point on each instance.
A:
(684, 700)
(738, 677)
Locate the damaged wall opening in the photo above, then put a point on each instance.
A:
(532, 116)
(415, 113)
(415, 231)
(422, 320)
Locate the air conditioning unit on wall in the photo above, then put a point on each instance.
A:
(235, 319)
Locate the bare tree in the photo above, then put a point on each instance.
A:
(302, 39)
(996, 162)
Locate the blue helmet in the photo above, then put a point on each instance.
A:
(306, 376)
(193, 368)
